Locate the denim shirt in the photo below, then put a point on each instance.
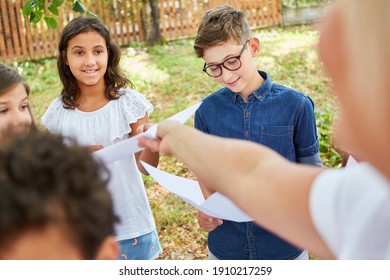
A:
(275, 116)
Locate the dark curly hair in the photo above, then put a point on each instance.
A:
(114, 77)
(45, 182)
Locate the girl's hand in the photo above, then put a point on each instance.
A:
(148, 156)
(144, 127)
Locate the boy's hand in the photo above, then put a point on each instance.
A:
(208, 223)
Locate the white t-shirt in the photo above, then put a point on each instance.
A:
(106, 126)
(351, 211)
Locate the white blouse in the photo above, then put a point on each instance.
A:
(106, 126)
(351, 210)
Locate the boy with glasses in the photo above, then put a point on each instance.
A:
(251, 107)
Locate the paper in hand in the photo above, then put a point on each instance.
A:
(216, 205)
(130, 146)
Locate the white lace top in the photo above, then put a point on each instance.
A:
(106, 126)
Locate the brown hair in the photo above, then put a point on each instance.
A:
(10, 78)
(219, 25)
(114, 77)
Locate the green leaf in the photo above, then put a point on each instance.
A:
(41, 7)
(32, 16)
(90, 14)
(37, 17)
(78, 7)
(51, 22)
(57, 3)
(53, 10)
(26, 8)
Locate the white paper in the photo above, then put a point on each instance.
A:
(216, 205)
(130, 146)
(351, 161)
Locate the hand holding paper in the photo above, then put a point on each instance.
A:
(216, 205)
(130, 146)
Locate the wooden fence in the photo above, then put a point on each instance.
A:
(21, 41)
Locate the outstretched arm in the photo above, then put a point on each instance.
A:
(274, 191)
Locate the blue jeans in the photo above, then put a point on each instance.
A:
(145, 247)
(304, 256)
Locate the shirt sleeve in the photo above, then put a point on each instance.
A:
(305, 135)
(199, 121)
(51, 118)
(350, 209)
(323, 207)
(313, 160)
(136, 105)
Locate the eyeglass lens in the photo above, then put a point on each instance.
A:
(231, 64)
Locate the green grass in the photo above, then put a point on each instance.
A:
(170, 77)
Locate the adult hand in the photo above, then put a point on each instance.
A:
(162, 141)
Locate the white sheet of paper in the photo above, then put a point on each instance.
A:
(351, 161)
(216, 205)
(130, 146)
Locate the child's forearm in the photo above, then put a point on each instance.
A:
(149, 157)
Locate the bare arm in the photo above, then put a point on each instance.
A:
(148, 156)
(206, 222)
(274, 191)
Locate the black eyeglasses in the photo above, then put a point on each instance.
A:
(231, 64)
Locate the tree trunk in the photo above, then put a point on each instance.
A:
(150, 15)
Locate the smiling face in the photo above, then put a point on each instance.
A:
(244, 80)
(87, 58)
(15, 117)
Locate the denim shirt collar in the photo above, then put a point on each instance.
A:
(260, 93)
